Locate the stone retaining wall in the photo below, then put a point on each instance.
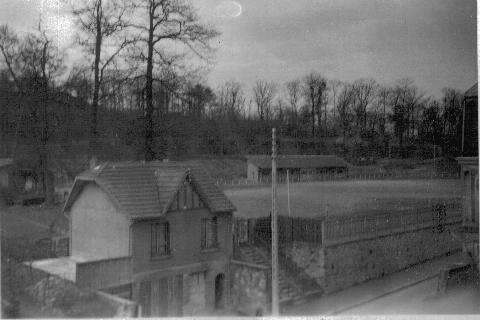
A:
(341, 266)
(250, 288)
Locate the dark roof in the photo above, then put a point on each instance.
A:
(298, 161)
(146, 189)
(472, 92)
(5, 162)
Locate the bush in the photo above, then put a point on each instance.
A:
(7, 196)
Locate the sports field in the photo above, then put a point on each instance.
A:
(316, 199)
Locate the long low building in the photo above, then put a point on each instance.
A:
(259, 167)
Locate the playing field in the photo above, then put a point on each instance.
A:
(316, 199)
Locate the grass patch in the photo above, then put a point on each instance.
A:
(317, 199)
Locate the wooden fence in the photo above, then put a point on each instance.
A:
(342, 229)
(290, 229)
(354, 175)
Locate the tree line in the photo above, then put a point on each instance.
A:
(138, 95)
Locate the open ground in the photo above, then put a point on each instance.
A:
(345, 197)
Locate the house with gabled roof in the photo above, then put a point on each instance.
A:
(157, 233)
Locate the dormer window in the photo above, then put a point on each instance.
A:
(186, 198)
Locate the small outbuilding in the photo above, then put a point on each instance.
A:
(300, 167)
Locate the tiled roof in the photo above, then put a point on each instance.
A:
(472, 92)
(146, 189)
(298, 161)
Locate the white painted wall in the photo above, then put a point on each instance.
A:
(98, 230)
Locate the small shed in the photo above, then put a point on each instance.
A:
(300, 167)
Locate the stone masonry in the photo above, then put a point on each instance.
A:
(340, 266)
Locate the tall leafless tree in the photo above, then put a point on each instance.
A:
(263, 94)
(345, 112)
(383, 99)
(102, 23)
(314, 90)
(293, 91)
(364, 90)
(159, 24)
(335, 87)
(34, 63)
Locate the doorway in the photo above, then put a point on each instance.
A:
(220, 291)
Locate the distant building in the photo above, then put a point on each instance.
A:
(469, 168)
(259, 167)
(157, 233)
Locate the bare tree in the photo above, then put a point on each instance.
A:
(34, 63)
(314, 89)
(364, 90)
(335, 87)
(344, 104)
(293, 91)
(383, 98)
(263, 94)
(159, 24)
(231, 100)
(102, 23)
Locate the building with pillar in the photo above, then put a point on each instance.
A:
(468, 232)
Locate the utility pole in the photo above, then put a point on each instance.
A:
(288, 192)
(275, 293)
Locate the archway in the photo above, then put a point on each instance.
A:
(220, 291)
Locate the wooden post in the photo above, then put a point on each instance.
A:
(275, 289)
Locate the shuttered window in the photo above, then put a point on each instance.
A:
(209, 233)
(160, 239)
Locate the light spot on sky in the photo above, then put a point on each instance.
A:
(433, 42)
(228, 9)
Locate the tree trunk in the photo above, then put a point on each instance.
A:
(93, 147)
(48, 187)
(312, 97)
(149, 153)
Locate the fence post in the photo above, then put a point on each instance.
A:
(323, 232)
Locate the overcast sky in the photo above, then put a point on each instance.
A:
(432, 42)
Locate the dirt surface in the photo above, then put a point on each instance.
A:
(422, 299)
(344, 197)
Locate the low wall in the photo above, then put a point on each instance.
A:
(250, 288)
(105, 273)
(124, 308)
(60, 297)
(342, 265)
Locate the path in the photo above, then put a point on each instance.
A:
(422, 278)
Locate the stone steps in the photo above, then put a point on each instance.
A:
(288, 291)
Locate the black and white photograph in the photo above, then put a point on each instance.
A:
(239, 158)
